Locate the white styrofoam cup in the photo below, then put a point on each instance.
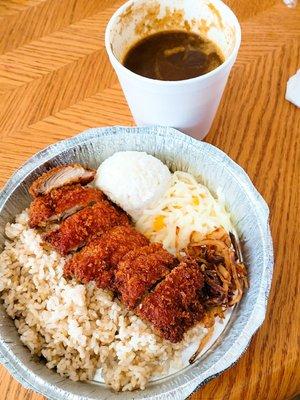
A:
(189, 105)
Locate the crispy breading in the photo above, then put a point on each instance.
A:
(139, 270)
(174, 306)
(74, 232)
(61, 203)
(98, 259)
(62, 175)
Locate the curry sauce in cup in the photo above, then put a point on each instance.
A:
(173, 56)
(173, 59)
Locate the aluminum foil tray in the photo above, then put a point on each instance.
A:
(250, 216)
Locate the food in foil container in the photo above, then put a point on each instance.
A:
(120, 274)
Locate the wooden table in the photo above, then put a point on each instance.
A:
(55, 81)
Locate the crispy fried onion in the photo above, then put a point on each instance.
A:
(225, 275)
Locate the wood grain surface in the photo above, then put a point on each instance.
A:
(55, 81)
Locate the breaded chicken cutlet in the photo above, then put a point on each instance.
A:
(60, 203)
(140, 270)
(62, 175)
(174, 306)
(99, 258)
(74, 232)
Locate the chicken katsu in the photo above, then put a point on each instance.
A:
(62, 175)
(169, 294)
(60, 203)
(140, 270)
(74, 232)
(98, 259)
(174, 305)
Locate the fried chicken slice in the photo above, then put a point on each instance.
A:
(62, 175)
(174, 306)
(140, 270)
(99, 258)
(74, 232)
(61, 203)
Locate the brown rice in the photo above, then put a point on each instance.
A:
(78, 329)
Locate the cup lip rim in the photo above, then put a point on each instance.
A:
(157, 82)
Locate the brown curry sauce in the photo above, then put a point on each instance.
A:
(173, 55)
